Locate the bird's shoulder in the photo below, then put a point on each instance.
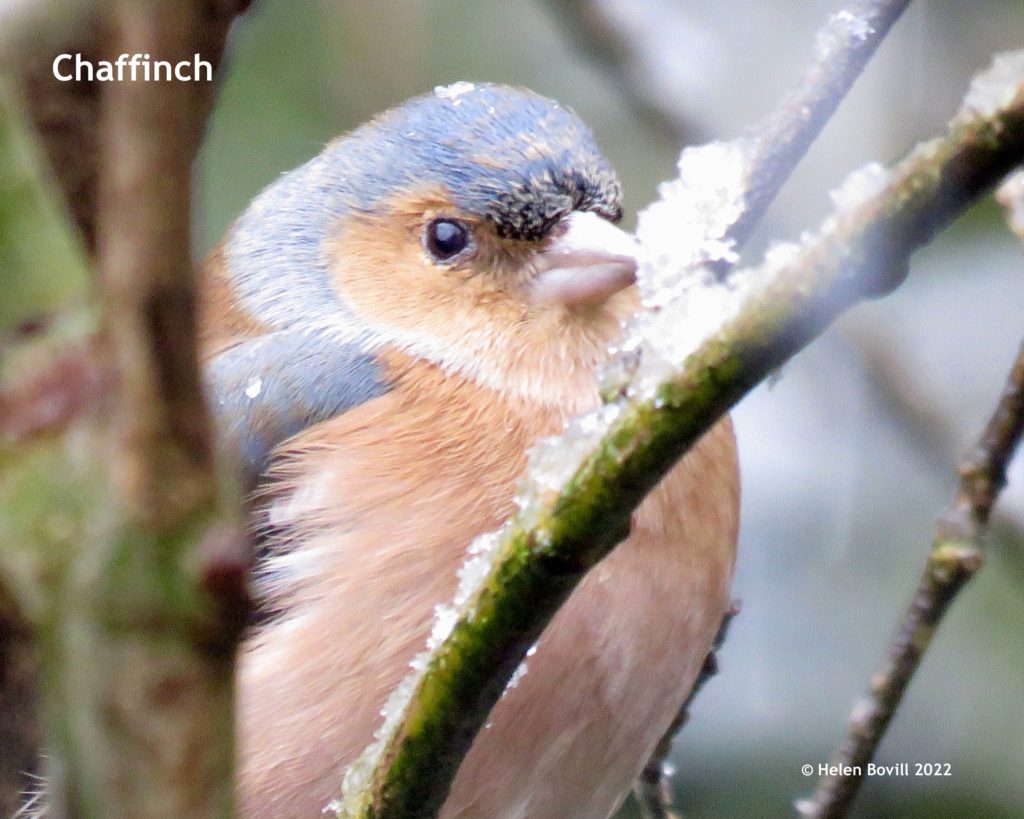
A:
(265, 389)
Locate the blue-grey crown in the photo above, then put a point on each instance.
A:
(517, 158)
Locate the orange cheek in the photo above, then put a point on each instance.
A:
(381, 272)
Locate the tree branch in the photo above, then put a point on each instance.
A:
(653, 788)
(118, 543)
(842, 48)
(42, 384)
(572, 515)
(955, 557)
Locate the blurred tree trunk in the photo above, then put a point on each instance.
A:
(118, 543)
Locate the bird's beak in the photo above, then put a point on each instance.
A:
(588, 261)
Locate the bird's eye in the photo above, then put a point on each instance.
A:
(446, 238)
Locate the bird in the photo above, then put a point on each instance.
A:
(385, 331)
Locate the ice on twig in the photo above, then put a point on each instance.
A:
(553, 461)
(480, 558)
(687, 227)
(835, 36)
(358, 776)
(859, 186)
(686, 239)
(996, 87)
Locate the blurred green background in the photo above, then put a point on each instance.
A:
(841, 482)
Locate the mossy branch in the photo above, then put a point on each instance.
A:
(862, 250)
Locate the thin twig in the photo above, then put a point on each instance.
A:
(955, 557)
(556, 537)
(653, 788)
(843, 48)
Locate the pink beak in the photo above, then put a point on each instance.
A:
(586, 264)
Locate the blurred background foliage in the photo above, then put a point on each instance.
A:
(843, 474)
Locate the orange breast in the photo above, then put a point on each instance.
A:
(381, 504)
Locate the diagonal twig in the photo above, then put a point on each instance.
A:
(653, 788)
(955, 557)
(843, 48)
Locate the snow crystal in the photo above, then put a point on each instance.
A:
(996, 87)
(662, 340)
(685, 236)
(860, 185)
(357, 777)
(841, 28)
(474, 570)
(454, 91)
(688, 225)
(254, 388)
(782, 254)
(516, 677)
(445, 618)
(552, 461)
(856, 25)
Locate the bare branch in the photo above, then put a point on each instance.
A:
(653, 788)
(843, 47)
(956, 555)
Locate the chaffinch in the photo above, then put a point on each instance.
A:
(386, 330)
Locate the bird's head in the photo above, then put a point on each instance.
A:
(472, 226)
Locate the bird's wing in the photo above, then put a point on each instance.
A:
(268, 388)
